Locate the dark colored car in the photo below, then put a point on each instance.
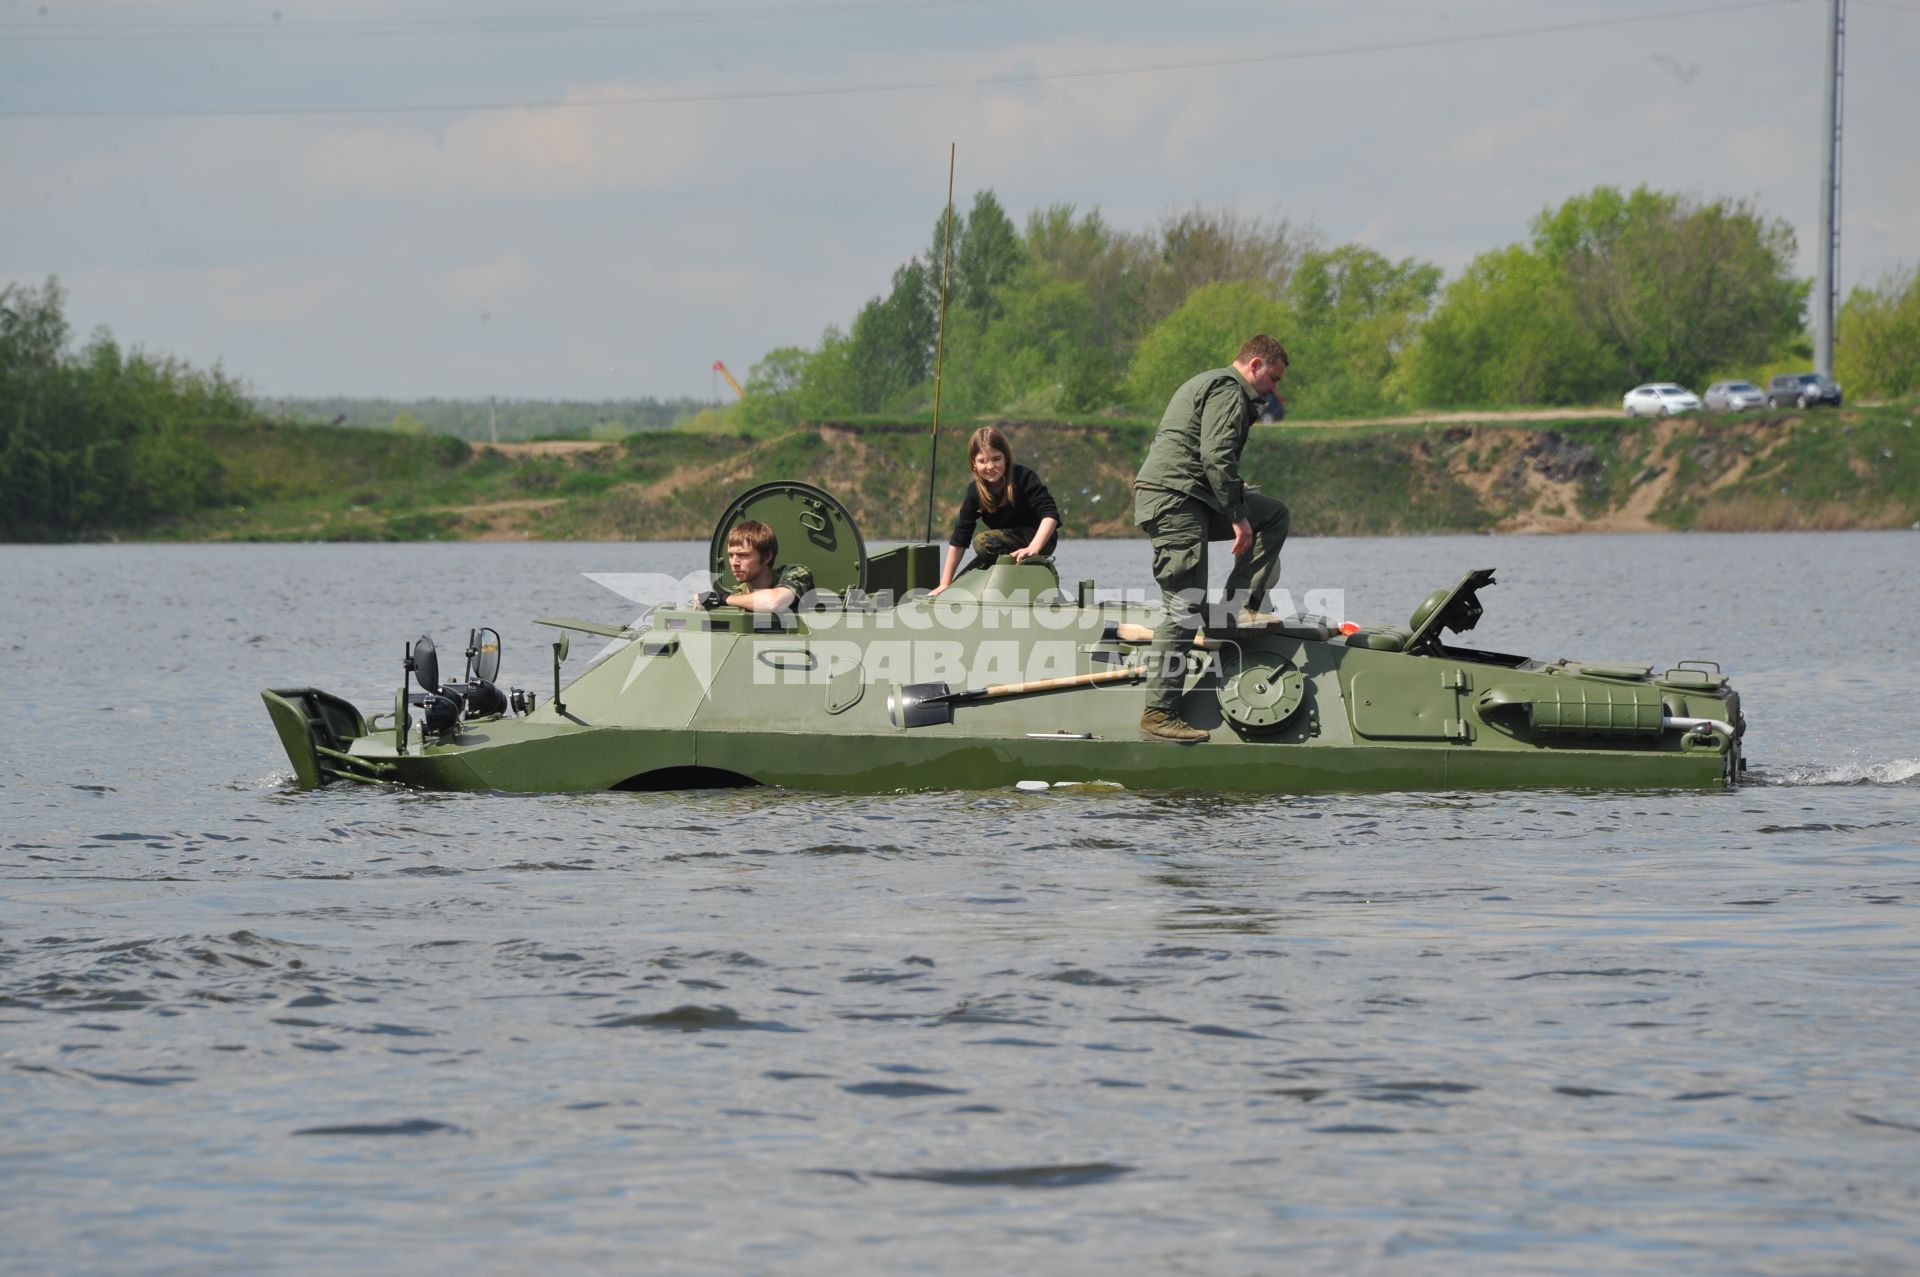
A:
(1802, 390)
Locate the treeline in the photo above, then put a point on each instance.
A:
(1877, 337)
(478, 421)
(1074, 316)
(100, 437)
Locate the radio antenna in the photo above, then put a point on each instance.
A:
(940, 346)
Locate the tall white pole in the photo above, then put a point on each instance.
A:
(1826, 282)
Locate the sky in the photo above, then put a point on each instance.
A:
(588, 199)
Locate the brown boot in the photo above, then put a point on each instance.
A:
(1165, 725)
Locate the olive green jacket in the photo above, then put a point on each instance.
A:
(1196, 450)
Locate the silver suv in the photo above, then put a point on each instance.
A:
(1802, 390)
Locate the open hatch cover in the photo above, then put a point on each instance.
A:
(814, 530)
(1457, 609)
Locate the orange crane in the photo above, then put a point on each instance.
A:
(721, 368)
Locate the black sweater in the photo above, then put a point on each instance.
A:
(1031, 503)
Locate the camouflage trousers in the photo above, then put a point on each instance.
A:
(994, 543)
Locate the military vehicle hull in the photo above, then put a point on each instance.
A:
(1006, 678)
(586, 758)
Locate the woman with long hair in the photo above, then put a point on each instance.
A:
(1018, 512)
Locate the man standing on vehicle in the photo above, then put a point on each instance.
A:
(1189, 492)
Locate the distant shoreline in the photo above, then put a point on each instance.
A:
(1537, 472)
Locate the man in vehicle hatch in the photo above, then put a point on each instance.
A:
(1189, 492)
(765, 586)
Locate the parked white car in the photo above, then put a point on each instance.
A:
(1733, 396)
(1659, 399)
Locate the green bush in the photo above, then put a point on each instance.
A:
(100, 439)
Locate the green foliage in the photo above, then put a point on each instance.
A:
(266, 464)
(719, 420)
(1850, 469)
(1876, 349)
(773, 389)
(780, 372)
(1206, 331)
(1045, 321)
(1672, 289)
(886, 359)
(1193, 249)
(987, 257)
(1353, 312)
(1074, 317)
(890, 350)
(1504, 332)
(1041, 357)
(1614, 289)
(1348, 483)
(826, 385)
(101, 439)
(1109, 267)
(480, 420)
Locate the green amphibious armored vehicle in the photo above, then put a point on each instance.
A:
(1009, 677)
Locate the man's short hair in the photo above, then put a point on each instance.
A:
(1265, 349)
(756, 536)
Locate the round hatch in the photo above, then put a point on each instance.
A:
(814, 530)
(1264, 692)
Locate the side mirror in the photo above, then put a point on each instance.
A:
(486, 654)
(426, 664)
(561, 646)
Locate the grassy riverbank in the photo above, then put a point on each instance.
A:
(1853, 468)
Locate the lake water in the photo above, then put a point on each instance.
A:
(245, 1029)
